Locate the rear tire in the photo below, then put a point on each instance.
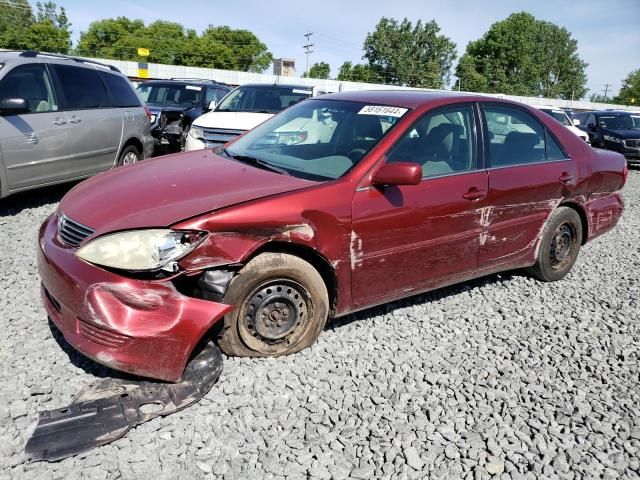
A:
(559, 246)
(129, 156)
(281, 307)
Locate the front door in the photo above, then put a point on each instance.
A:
(33, 144)
(529, 175)
(408, 238)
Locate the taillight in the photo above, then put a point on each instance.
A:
(148, 112)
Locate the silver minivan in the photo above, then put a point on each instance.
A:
(65, 118)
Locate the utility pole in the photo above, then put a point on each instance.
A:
(307, 50)
(606, 89)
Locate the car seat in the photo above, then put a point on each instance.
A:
(519, 147)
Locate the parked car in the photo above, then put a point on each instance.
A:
(257, 244)
(175, 104)
(64, 118)
(243, 109)
(561, 116)
(617, 131)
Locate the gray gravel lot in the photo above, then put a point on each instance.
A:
(503, 376)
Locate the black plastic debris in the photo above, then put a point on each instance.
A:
(107, 410)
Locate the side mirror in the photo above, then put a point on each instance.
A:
(212, 104)
(400, 173)
(576, 122)
(13, 106)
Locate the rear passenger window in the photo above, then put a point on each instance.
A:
(516, 138)
(31, 83)
(442, 142)
(81, 87)
(122, 93)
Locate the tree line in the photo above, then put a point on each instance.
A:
(519, 55)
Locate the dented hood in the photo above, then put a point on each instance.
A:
(162, 191)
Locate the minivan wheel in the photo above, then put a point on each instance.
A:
(559, 246)
(281, 307)
(129, 155)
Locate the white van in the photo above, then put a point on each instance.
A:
(564, 119)
(242, 109)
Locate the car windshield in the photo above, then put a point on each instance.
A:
(317, 139)
(262, 98)
(616, 121)
(636, 121)
(559, 115)
(170, 94)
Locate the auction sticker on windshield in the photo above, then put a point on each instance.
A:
(382, 110)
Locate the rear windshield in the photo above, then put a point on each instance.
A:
(170, 94)
(616, 121)
(559, 115)
(263, 99)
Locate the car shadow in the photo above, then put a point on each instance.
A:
(100, 371)
(16, 203)
(423, 298)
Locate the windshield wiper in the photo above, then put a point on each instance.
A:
(256, 162)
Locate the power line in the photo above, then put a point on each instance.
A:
(307, 50)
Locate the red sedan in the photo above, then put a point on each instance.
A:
(337, 204)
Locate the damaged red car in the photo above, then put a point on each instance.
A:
(339, 203)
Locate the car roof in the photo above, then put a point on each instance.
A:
(17, 57)
(185, 81)
(279, 85)
(408, 98)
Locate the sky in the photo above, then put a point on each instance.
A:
(608, 32)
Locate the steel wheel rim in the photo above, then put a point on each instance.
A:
(130, 158)
(562, 246)
(275, 315)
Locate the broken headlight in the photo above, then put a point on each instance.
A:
(141, 250)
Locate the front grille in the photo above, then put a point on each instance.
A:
(219, 136)
(72, 233)
(632, 143)
(101, 336)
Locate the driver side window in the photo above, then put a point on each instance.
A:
(442, 142)
(31, 83)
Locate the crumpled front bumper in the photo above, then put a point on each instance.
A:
(146, 328)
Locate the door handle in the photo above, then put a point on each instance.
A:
(565, 177)
(75, 119)
(474, 194)
(59, 121)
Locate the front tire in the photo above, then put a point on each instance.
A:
(281, 307)
(559, 246)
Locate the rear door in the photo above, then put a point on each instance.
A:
(529, 175)
(406, 238)
(34, 145)
(125, 99)
(95, 126)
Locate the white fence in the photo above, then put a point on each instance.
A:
(160, 71)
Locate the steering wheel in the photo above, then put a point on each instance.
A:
(356, 154)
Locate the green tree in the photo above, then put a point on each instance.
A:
(319, 70)
(524, 56)
(415, 56)
(20, 29)
(223, 47)
(359, 73)
(597, 98)
(171, 43)
(630, 92)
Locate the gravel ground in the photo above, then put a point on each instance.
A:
(502, 376)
